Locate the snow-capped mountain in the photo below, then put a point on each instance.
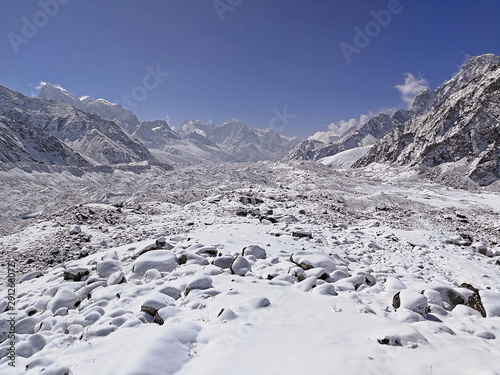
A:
(104, 109)
(169, 147)
(22, 141)
(459, 133)
(305, 150)
(101, 142)
(232, 141)
(365, 135)
(240, 141)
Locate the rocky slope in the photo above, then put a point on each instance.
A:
(102, 108)
(375, 273)
(101, 142)
(365, 135)
(25, 142)
(193, 142)
(458, 135)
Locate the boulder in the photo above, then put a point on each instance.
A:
(63, 298)
(311, 259)
(412, 300)
(240, 266)
(255, 250)
(163, 261)
(199, 282)
(107, 267)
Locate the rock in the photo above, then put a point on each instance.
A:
(302, 234)
(31, 345)
(107, 267)
(255, 250)
(412, 300)
(64, 298)
(154, 313)
(116, 278)
(199, 282)
(491, 303)
(152, 274)
(369, 278)
(112, 254)
(325, 289)
(240, 266)
(171, 291)
(163, 261)
(257, 302)
(474, 300)
(190, 258)
(351, 283)
(31, 276)
(206, 251)
(297, 273)
(75, 273)
(241, 212)
(449, 295)
(27, 325)
(161, 243)
(224, 261)
(251, 200)
(433, 297)
(338, 275)
(308, 284)
(158, 300)
(226, 314)
(311, 259)
(75, 230)
(403, 336)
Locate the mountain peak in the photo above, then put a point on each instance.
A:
(101, 107)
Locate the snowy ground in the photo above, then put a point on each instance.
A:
(250, 268)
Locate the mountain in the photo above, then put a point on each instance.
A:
(104, 109)
(365, 135)
(305, 150)
(169, 147)
(230, 142)
(38, 123)
(22, 141)
(241, 142)
(155, 134)
(459, 133)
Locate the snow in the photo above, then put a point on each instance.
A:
(344, 159)
(192, 288)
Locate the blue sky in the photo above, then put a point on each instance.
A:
(244, 59)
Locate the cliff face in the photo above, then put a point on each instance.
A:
(57, 132)
(460, 129)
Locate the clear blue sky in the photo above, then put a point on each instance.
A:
(263, 56)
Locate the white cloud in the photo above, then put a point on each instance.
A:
(411, 88)
(336, 129)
